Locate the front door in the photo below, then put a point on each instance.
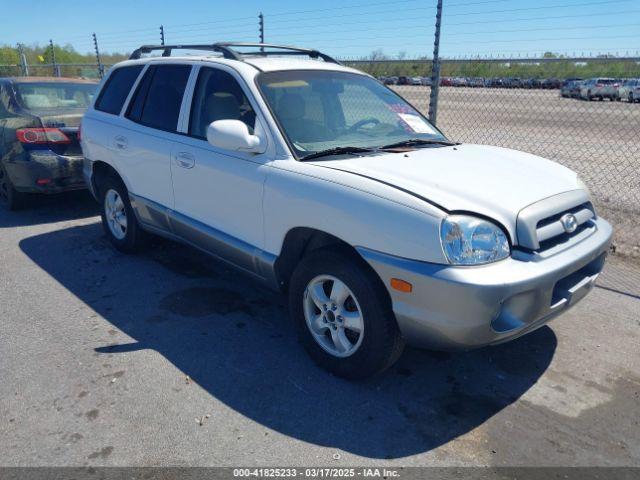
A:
(218, 193)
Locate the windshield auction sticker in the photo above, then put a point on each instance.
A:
(416, 123)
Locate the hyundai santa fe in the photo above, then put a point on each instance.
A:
(324, 184)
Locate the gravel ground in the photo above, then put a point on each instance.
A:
(599, 140)
(108, 359)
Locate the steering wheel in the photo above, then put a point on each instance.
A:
(361, 123)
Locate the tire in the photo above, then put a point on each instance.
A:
(631, 100)
(373, 341)
(589, 97)
(118, 218)
(10, 198)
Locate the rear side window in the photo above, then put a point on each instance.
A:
(117, 89)
(157, 100)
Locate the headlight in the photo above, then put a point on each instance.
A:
(472, 241)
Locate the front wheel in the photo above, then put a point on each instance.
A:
(343, 314)
(118, 219)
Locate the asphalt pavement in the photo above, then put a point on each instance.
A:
(169, 358)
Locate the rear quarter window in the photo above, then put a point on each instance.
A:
(116, 90)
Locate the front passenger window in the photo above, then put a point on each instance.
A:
(218, 96)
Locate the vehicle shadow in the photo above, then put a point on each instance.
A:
(233, 338)
(41, 209)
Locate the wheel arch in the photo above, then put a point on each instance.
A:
(301, 241)
(99, 171)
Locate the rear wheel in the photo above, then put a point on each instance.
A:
(343, 315)
(10, 198)
(118, 219)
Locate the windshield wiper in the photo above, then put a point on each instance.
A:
(418, 141)
(337, 151)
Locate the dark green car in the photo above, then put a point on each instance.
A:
(39, 145)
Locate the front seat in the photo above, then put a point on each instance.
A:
(218, 106)
(291, 112)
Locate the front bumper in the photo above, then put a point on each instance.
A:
(61, 172)
(460, 308)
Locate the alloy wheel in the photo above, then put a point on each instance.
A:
(115, 213)
(333, 316)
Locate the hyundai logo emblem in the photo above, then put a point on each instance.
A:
(569, 223)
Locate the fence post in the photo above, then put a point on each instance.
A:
(435, 69)
(56, 70)
(161, 34)
(100, 66)
(24, 66)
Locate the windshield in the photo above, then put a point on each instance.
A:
(321, 110)
(48, 96)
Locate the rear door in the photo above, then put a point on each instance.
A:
(150, 129)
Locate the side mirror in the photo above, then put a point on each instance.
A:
(234, 135)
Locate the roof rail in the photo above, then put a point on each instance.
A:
(166, 50)
(225, 48)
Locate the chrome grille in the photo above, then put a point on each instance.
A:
(540, 226)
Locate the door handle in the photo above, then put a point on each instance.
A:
(185, 160)
(120, 142)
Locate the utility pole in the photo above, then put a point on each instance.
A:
(24, 66)
(261, 24)
(56, 72)
(100, 66)
(161, 35)
(435, 68)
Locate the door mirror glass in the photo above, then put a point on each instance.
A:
(234, 135)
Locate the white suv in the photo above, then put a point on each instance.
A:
(321, 182)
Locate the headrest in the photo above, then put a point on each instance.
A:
(291, 107)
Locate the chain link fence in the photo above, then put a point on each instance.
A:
(74, 70)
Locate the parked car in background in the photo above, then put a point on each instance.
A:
(476, 82)
(379, 229)
(446, 82)
(391, 80)
(569, 87)
(403, 81)
(39, 146)
(515, 83)
(459, 82)
(599, 89)
(415, 80)
(629, 90)
(551, 83)
(426, 81)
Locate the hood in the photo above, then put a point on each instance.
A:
(492, 181)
